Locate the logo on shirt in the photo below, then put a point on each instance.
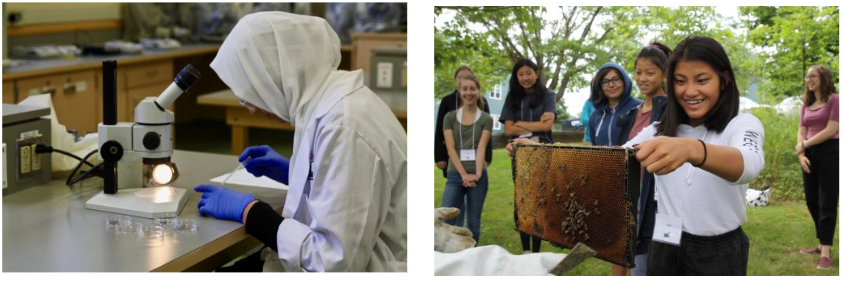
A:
(751, 141)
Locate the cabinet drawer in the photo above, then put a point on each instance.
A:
(149, 73)
(68, 83)
(73, 95)
(136, 95)
(9, 92)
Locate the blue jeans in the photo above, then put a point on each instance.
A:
(475, 196)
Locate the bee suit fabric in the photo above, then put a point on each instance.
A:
(351, 213)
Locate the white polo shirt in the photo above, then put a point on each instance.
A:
(710, 205)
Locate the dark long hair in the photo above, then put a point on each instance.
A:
(709, 51)
(517, 93)
(827, 86)
(658, 54)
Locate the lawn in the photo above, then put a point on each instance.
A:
(776, 232)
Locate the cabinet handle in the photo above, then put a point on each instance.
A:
(49, 89)
(69, 88)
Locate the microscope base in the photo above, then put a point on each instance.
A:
(134, 202)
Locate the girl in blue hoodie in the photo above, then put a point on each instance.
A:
(611, 96)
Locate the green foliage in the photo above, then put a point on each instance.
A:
(782, 170)
(462, 48)
(562, 112)
(792, 40)
(571, 43)
(565, 44)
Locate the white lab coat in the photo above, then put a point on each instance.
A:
(493, 260)
(352, 214)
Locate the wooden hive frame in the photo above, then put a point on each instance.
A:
(570, 194)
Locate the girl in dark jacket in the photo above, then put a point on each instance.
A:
(650, 75)
(529, 112)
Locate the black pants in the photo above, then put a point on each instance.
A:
(724, 254)
(821, 188)
(526, 240)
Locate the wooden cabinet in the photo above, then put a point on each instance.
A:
(145, 74)
(136, 82)
(363, 43)
(9, 92)
(137, 94)
(73, 95)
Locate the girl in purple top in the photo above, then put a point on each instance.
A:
(817, 149)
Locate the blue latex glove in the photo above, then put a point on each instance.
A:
(266, 162)
(222, 203)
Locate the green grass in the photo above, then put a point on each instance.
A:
(776, 232)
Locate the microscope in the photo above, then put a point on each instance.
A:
(136, 155)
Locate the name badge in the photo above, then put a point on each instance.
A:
(668, 229)
(467, 155)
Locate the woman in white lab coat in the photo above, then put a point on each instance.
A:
(346, 208)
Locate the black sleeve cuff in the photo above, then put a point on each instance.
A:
(262, 222)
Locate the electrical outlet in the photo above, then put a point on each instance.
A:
(36, 158)
(385, 75)
(25, 161)
(28, 162)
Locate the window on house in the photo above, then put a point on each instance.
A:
(495, 124)
(496, 92)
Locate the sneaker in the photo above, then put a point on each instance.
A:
(812, 250)
(824, 263)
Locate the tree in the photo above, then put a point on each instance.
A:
(568, 43)
(792, 40)
(564, 45)
(562, 113)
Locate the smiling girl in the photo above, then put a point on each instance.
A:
(467, 132)
(529, 112)
(610, 93)
(650, 76)
(704, 153)
(817, 150)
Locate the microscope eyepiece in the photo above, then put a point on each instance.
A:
(184, 80)
(187, 77)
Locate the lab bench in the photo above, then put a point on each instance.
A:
(47, 228)
(239, 118)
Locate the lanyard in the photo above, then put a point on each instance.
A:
(474, 122)
(522, 111)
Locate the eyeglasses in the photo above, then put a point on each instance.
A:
(615, 81)
(811, 76)
(252, 109)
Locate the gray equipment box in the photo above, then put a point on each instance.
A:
(23, 128)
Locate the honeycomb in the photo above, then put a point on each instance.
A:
(571, 194)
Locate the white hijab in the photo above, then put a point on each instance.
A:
(280, 62)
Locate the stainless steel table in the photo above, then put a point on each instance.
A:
(48, 228)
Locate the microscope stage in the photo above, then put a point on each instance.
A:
(141, 202)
